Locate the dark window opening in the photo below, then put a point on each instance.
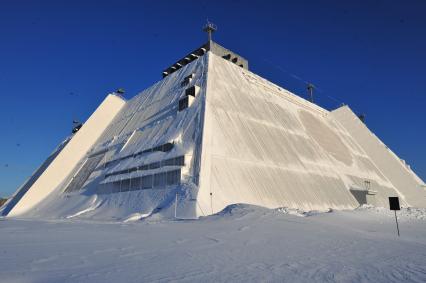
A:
(147, 182)
(154, 165)
(135, 184)
(190, 91)
(125, 185)
(159, 180)
(183, 103)
(167, 147)
(144, 167)
(227, 56)
(184, 82)
(187, 80)
(176, 161)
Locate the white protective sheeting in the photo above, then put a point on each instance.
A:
(263, 145)
(410, 187)
(59, 169)
(243, 139)
(146, 152)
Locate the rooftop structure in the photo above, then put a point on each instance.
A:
(203, 49)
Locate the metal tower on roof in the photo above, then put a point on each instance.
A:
(210, 28)
(310, 88)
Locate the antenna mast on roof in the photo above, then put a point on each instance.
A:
(210, 28)
(310, 88)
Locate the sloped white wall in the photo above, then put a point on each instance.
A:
(408, 184)
(263, 145)
(69, 157)
(149, 119)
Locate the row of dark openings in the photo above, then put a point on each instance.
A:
(176, 161)
(184, 102)
(163, 148)
(159, 180)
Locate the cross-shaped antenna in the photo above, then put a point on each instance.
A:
(210, 28)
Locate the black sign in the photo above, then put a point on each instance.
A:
(394, 203)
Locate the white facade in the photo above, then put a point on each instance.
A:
(263, 145)
(238, 139)
(60, 168)
(409, 186)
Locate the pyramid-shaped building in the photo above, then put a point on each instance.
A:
(210, 134)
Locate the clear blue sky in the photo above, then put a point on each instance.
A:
(58, 60)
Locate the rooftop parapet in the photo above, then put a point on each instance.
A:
(215, 49)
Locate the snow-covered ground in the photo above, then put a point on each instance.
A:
(241, 244)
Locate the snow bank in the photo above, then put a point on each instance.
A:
(242, 243)
(300, 212)
(136, 217)
(406, 213)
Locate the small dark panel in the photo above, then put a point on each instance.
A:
(187, 80)
(76, 128)
(168, 162)
(158, 148)
(135, 184)
(394, 203)
(167, 147)
(154, 165)
(116, 187)
(184, 82)
(173, 177)
(183, 103)
(147, 182)
(125, 185)
(180, 160)
(160, 179)
(227, 56)
(144, 167)
(190, 91)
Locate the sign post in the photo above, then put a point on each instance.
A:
(394, 205)
(176, 200)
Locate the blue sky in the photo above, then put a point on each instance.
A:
(59, 59)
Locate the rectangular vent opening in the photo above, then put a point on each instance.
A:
(192, 91)
(183, 103)
(187, 80)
